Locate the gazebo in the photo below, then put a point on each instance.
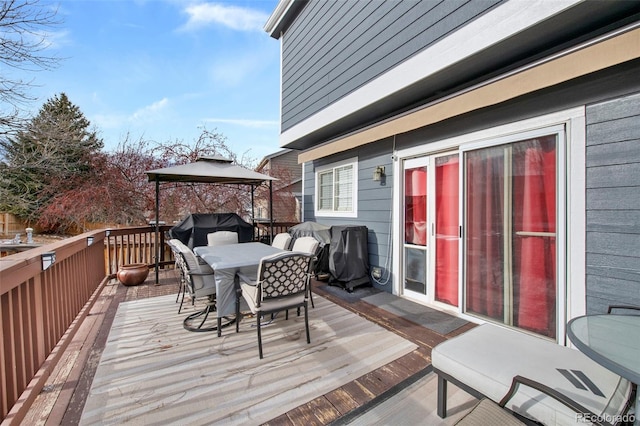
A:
(216, 170)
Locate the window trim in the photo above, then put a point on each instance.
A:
(353, 162)
(574, 273)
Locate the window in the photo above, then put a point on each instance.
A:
(336, 189)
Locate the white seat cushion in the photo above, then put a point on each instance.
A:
(487, 358)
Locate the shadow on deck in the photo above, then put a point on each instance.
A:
(64, 397)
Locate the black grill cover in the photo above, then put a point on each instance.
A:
(193, 228)
(349, 255)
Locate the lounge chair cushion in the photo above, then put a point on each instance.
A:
(487, 358)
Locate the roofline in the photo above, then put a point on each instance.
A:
(283, 15)
(606, 51)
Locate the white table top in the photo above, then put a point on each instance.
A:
(235, 256)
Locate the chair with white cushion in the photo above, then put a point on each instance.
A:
(200, 283)
(220, 238)
(308, 245)
(486, 360)
(281, 284)
(282, 241)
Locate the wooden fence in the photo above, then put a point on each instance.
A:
(11, 225)
(46, 292)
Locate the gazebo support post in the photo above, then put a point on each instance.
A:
(271, 209)
(157, 236)
(253, 213)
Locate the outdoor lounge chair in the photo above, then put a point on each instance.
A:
(281, 284)
(220, 238)
(487, 412)
(282, 241)
(484, 360)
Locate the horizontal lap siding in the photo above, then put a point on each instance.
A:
(613, 203)
(374, 200)
(334, 47)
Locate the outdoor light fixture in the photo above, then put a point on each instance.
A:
(48, 259)
(89, 241)
(378, 173)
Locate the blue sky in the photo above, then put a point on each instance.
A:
(162, 69)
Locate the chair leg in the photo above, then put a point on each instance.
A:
(238, 314)
(179, 290)
(442, 397)
(306, 322)
(258, 315)
(181, 302)
(206, 315)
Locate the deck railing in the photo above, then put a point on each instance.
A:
(45, 293)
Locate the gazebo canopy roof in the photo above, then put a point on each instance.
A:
(209, 170)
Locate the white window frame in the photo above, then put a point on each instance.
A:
(353, 162)
(572, 301)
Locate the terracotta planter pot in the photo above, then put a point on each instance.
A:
(133, 274)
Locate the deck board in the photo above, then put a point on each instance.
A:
(342, 400)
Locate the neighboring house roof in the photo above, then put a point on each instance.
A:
(266, 158)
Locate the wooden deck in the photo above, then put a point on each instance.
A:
(64, 396)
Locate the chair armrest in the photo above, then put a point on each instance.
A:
(200, 273)
(630, 307)
(568, 402)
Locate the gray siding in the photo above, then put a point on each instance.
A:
(613, 203)
(374, 201)
(334, 47)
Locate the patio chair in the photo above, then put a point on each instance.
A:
(174, 245)
(484, 360)
(282, 241)
(308, 245)
(200, 283)
(281, 284)
(221, 238)
(487, 412)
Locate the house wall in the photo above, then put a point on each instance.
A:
(334, 47)
(374, 201)
(612, 104)
(613, 203)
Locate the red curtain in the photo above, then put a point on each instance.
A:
(415, 227)
(485, 233)
(447, 230)
(535, 254)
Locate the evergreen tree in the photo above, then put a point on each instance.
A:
(53, 154)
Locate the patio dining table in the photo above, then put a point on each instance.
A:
(227, 262)
(612, 341)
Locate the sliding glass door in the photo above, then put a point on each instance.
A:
(510, 222)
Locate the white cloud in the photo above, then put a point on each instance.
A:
(149, 112)
(234, 17)
(256, 124)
